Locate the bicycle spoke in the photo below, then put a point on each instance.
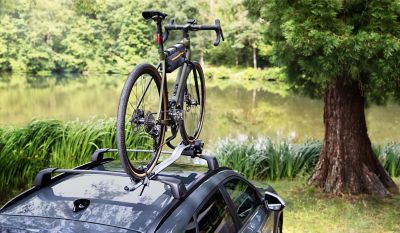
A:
(141, 98)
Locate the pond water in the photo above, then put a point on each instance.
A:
(234, 108)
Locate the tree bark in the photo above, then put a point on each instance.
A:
(347, 164)
(254, 57)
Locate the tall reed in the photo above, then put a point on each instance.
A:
(266, 159)
(389, 156)
(51, 143)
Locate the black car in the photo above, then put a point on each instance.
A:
(99, 197)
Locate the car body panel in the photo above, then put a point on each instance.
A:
(14, 224)
(256, 221)
(181, 216)
(114, 209)
(110, 204)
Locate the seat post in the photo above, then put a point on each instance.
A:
(160, 38)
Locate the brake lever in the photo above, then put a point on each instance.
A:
(166, 32)
(219, 33)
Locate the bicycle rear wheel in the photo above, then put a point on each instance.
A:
(193, 102)
(137, 123)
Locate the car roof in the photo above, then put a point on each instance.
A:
(110, 204)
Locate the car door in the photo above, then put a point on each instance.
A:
(247, 205)
(213, 215)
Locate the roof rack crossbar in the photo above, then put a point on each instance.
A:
(193, 150)
(44, 176)
(97, 155)
(79, 171)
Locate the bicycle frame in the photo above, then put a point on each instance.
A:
(180, 80)
(183, 70)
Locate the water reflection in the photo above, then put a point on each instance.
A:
(233, 108)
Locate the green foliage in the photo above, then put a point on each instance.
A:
(111, 36)
(60, 36)
(266, 159)
(318, 41)
(270, 74)
(39, 60)
(389, 155)
(242, 34)
(8, 32)
(223, 72)
(51, 143)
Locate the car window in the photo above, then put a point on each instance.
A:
(243, 197)
(214, 216)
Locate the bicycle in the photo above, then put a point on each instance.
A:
(151, 112)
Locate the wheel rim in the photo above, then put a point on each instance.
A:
(193, 106)
(141, 129)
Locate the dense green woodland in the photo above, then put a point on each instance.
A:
(39, 36)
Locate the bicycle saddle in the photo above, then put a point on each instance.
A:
(152, 14)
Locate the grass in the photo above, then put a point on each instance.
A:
(51, 143)
(266, 159)
(308, 210)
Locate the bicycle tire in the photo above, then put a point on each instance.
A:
(133, 78)
(188, 135)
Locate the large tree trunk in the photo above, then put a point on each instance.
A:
(347, 164)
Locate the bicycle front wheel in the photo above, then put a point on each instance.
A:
(193, 102)
(137, 123)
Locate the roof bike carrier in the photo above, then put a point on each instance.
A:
(193, 150)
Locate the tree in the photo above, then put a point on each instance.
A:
(348, 52)
(246, 31)
(6, 36)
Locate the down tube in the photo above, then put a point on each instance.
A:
(182, 82)
(163, 82)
